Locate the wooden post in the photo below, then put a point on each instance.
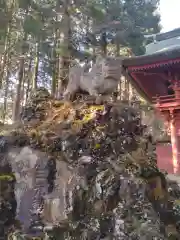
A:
(174, 142)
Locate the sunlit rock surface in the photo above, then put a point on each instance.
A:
(86, 169)
(31, 172)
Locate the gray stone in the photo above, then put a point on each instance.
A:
(30, 169)
(102, 79)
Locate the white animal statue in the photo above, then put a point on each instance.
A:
(103, 77)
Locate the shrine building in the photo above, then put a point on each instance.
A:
(156, 76)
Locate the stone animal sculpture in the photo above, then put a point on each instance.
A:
(103, 78)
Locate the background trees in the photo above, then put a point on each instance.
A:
(40, 39)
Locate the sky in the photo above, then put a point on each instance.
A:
(170, 11)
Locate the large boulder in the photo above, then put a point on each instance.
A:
(87, 171)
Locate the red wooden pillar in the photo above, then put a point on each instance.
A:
(175, 143)
(172, 117)
(169, 107)
(176, 88)
(175, 128)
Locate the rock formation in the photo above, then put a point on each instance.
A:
(83, 171)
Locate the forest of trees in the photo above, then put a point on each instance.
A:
(41, 39)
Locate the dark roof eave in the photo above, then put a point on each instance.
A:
(152, 58)
(167, 35)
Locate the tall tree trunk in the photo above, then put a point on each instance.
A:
(54, 62)
(55, 56)
(117, 49)
(22, 95)
(126, 90)
(29, 76)
(103, 40)
(36, 67)
(16, 109)
(118, 89)
(4, 58)
(17, 101)
(103, 44)
(64, 45)
(6, 90)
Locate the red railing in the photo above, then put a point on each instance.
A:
(164, 99)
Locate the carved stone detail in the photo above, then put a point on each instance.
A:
(103, 77)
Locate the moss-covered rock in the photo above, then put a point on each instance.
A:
(90, 172)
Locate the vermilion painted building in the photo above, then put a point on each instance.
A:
(156, 76)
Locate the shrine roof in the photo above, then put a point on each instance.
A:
(158, 58)
(149, 73)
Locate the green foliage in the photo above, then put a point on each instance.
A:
(23, 4)
(96, 12)
(135, 42)
(92, 26)
(32, 26)
(126, 22)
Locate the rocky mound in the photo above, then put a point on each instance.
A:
(85, 171)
